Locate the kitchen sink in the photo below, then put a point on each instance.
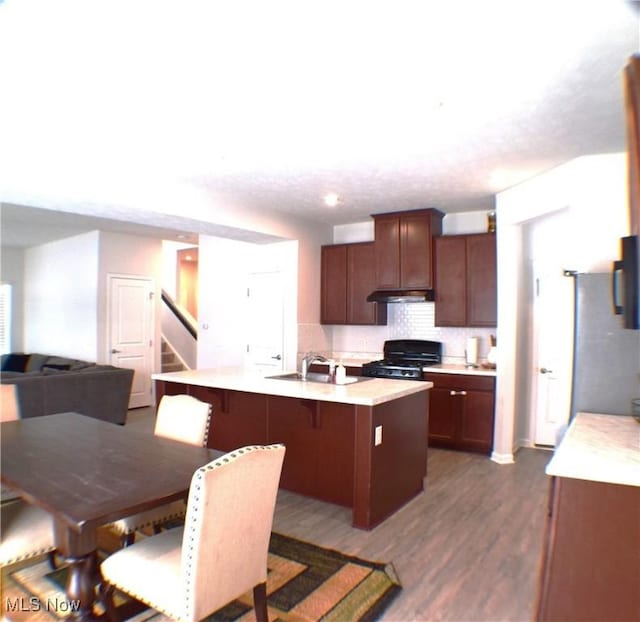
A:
(315, 377)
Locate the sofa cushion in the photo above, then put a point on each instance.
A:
(62, 362)
(15, 362)
(36, 361)
(54, 369)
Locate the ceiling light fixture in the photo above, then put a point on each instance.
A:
(331, 199)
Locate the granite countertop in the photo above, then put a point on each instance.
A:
(368, 392)
(600, 448)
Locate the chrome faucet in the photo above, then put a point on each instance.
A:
(308, 359)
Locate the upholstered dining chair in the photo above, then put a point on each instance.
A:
(221, 553)
(181, 418)
(9, 408)
(27, 531)
(9, 411)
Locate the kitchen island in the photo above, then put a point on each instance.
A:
(360, 445)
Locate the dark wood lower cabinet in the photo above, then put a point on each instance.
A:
(591, 557)
(461, 412)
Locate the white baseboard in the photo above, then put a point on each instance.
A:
(502, 458)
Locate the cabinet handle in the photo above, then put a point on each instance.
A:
(457, 392)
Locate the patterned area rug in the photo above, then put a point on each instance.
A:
(305, 583)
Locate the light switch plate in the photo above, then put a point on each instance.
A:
(378, 435)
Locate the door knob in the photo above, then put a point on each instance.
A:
(114, 351)
(277, 357)
(544, 370)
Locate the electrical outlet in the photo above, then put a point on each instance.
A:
(378, 435)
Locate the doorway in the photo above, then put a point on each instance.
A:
(130, 324)
(553, 320)
(552, 327)
(265, 321)
(187, 280)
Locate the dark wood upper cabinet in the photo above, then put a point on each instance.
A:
(403, 248)
(482, 300)
(333, 286)
(465, 280)
(632, 108)
(348, 277)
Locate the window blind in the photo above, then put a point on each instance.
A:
(5, 318)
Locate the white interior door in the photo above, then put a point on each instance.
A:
(552, 369)
(131, 327)
(265, 321)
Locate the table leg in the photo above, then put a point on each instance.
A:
(81, 586)
(79, 550)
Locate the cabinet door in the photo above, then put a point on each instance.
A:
(238, 419)
(333, 294)
(387, 251)
(450, 280)
(461, 411)
(443, 419)
(415, 251)
(476, 424)
(481, 280)
(361, 281)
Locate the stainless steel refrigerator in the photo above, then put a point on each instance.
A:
(606, 374)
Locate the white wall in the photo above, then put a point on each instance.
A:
(224, 267)
(12, 272)
(594, 191)
(60, 297)
(65, 291)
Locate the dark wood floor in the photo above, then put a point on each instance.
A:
(466, 550)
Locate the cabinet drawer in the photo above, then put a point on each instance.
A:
(461, 382)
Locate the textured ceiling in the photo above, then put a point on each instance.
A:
(110, 108)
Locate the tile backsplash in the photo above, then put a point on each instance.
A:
(405, 321)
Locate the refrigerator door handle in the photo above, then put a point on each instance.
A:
(615, 275)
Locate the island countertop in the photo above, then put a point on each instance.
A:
(599, 448)
(369, 392)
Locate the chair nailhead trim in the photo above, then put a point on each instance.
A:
(193, 504)
(20, 558)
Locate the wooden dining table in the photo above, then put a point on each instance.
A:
(87, 473)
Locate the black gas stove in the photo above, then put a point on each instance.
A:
(404, 359)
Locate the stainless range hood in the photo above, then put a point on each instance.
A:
(401, 295)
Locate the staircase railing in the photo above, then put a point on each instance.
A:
(179, 331)
(184, 320)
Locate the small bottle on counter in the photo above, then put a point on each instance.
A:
(341, 374)
(332, 372)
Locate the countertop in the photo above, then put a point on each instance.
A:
(599, 448)
(368, 392)
(455, 368)
(444, 368)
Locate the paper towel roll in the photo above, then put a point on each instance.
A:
(472, 351)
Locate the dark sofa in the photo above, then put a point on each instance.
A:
(48, 384)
